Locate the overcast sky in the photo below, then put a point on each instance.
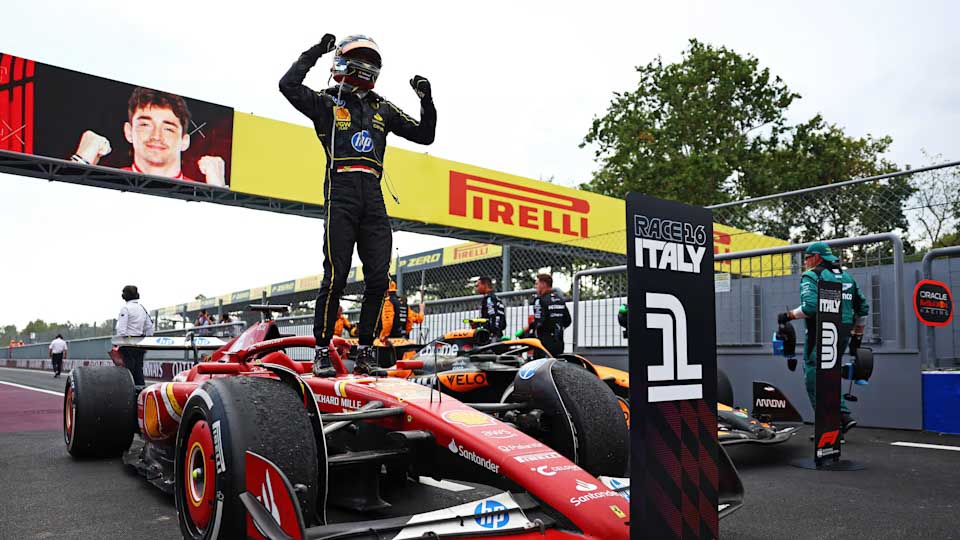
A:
(516, 85)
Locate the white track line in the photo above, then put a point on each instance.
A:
(922, 445)
(51, 392)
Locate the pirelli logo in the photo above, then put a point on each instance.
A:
(497, 201)
(470, 251)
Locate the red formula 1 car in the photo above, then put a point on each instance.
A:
(252, 445)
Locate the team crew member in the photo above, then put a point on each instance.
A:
(822, 264)
(396, 318)
(58, 353)
(352, 123)
(491, 308)
(414, 317)
(550, 316)
(342, 322)
(133, 321)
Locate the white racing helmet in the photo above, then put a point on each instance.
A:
(356, 62)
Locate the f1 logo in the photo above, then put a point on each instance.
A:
(828, 345)
(828, 439)
(674, 367)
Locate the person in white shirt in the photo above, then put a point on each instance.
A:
(57, 351)
(133, 321)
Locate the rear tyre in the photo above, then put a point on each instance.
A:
(99, 412)
(600, 431)
(223, 419)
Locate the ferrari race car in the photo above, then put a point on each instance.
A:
(251, 444)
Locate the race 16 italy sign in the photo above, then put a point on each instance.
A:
(673, 370)
(933, 303)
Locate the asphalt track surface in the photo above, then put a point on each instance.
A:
(905, 492)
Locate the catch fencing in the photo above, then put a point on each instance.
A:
(751, 288)
(441, 316)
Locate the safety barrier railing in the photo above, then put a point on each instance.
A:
(929, 343)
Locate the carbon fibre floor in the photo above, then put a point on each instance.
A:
(905, 492)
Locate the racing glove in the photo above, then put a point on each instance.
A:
(519, 334)
(421, 86)
(783, 318)
(327, 43)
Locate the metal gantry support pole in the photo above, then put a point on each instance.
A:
(930, 348)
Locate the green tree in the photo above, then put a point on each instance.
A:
(712, 129)
(7, 333)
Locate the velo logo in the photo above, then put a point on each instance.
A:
(362, 141)
(665, 312)
(828, 345)
(491, 515)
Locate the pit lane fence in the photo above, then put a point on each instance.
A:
(751, 287)
(441, 316)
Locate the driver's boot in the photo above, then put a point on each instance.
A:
(847, 422)
(321, 363)
(367, 363)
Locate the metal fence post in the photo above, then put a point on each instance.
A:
(576, 310)
(506, 284)
(576, 294)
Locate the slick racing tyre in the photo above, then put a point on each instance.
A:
(223, 419)
(99, 412)
(600, 430)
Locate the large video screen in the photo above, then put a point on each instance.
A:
(55, 112)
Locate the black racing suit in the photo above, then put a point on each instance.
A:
(353, 131)
(491, 309)
(550, 317)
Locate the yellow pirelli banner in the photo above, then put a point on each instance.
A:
(282, 160)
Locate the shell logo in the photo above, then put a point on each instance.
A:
(468, 418)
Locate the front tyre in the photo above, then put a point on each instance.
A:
(589, 426)
(222, 420)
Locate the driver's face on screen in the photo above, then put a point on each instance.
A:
(157, 136)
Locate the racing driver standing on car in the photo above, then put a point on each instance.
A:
(822, 264)
(352, 123)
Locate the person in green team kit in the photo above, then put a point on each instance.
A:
(822, 264)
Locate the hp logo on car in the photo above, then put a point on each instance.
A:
(491, 515)
(528, 370)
